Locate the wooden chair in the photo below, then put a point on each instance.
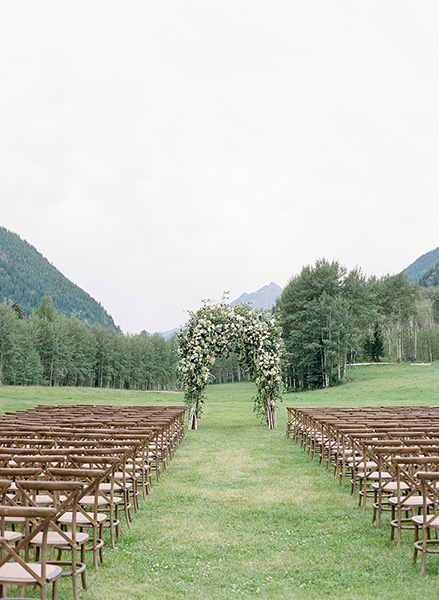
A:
(137, 465)
(407, 471)
(16, 570)
(387, 484)
(88, 517)
(120, 481)
(429, 520)
(63, 497)
(100, 500)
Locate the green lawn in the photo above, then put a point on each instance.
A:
(243, 512)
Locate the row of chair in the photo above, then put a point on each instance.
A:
(389, 453)
(66, 474)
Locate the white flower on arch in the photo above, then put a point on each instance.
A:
(217, 329)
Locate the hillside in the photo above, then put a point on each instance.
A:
(421, 265)
(26, 277)
(431, 277)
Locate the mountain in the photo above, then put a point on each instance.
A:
(168, 334)
(421, 265)
(431, 277)
(263, 298)
(26, 277)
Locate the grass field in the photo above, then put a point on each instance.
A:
(243, 512)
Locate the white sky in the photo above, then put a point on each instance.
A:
(159, 153)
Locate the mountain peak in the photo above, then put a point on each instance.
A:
(264, 298)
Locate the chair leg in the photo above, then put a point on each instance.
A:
(392, 528)
(117, 520)
(127, 508)
(101, 537)
(112, 527)
(74, 576)
(360, 495)
(415, 551)
(83, 579)
(136, 497)
(424, 553)
(95, 543)
(398, 540)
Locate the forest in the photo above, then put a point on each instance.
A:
(330, 318)
(47, 348)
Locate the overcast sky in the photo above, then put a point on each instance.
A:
(159, 153)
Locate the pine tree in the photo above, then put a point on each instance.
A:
(8, 321)
(373, 343)
(18, 310)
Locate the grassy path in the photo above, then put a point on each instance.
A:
(244, 513)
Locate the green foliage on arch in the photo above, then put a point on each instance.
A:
(218, 329)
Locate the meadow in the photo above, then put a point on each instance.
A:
(243, 512)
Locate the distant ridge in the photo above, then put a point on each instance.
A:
(168, 334)
(264, 298)
(421, 265)
(26, 277)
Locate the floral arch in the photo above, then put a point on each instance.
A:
(217, 330)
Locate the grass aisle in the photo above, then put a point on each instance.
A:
(242, 512)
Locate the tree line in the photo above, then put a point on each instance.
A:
(332, 317)
(50, 349)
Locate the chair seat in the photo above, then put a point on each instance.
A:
(11, 536)
(391, 486)
(81, 519)
(47, 499)
(413, 501)
(350, 460)
(370, 464)
(106, 487)
(419, 520)
(12, 572)
(91, 500)
(374, 475)
(56, 539)
(15, 520)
